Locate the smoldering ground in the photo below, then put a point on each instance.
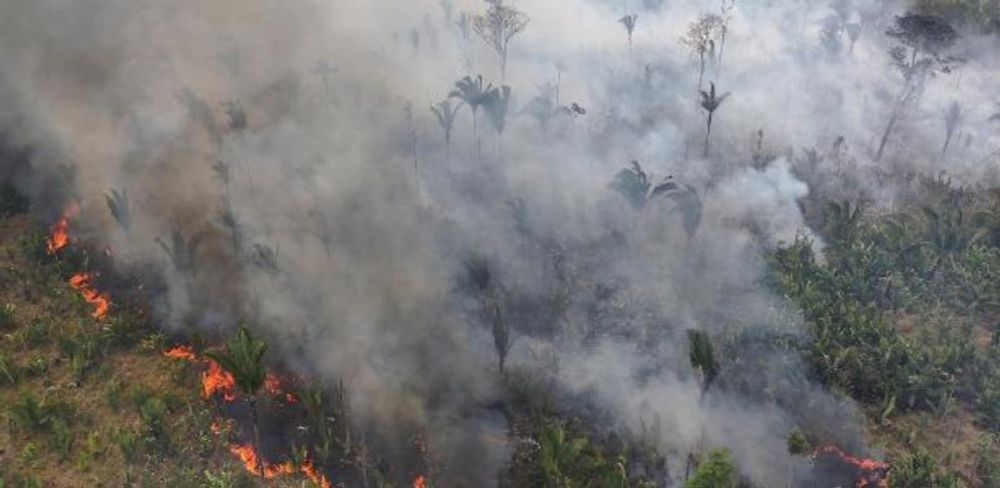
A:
(279, 163)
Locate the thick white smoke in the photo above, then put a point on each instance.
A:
(291, 143)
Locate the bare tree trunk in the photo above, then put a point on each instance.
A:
(475, 135)
(701, 72)
(256, 436)
(885, 136)
(947, 141)
(708, 132)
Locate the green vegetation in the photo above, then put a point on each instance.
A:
(902, 316)
(86, 402)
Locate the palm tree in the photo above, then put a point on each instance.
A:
(497, 106)
(242, 359)
(446, 114)
(323, 69)
(117, 202)
(703, 358)
(710, 102)
(558, 454)
(501, 335)
(474, 94)
(634, 184)
(629, 22)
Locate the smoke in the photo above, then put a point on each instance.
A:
(282, 166)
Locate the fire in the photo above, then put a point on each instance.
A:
(252, 463)
(874, 473)
(181, 352)
(317, 478)
(217, 380)
(250, 460)
(213, 380)
(272, 385)
(420, 482)
(98, 300)
(59, 235)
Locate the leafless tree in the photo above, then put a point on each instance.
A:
(700, 39)
(497, 27)
(725, 15)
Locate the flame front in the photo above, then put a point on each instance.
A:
(420, 482)
(217, 380)
(98, 300)
(181, 352)
(252, 462)
(317, 478)
(213, 380)
(874, 473)
(59, 235)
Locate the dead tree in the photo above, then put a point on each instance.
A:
(497, 27)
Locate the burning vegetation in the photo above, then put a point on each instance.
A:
(465, 249)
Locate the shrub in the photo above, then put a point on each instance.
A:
(715, 472)
(128, 444)
(8, 371)
(7, 319)
(918, 469)
(113, 394)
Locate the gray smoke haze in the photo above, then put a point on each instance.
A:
(291, 148)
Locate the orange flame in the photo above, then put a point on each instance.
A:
(98, 300)
(217, 380)
(213, 380)
(59, 235)
(317, 478)
(248, 455)
(874, 473)
(272, 385)
(181, 352)
(420, 482)
(252, 463)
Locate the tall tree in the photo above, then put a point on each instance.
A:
(242, 359)
(474, 94)
(952, 118)
(497, 27)
(700, 39)
(629, 22)
(725, 15)
(710, 102)
(497, 106)
(446, 113)
(923, 43)
(703, 357)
